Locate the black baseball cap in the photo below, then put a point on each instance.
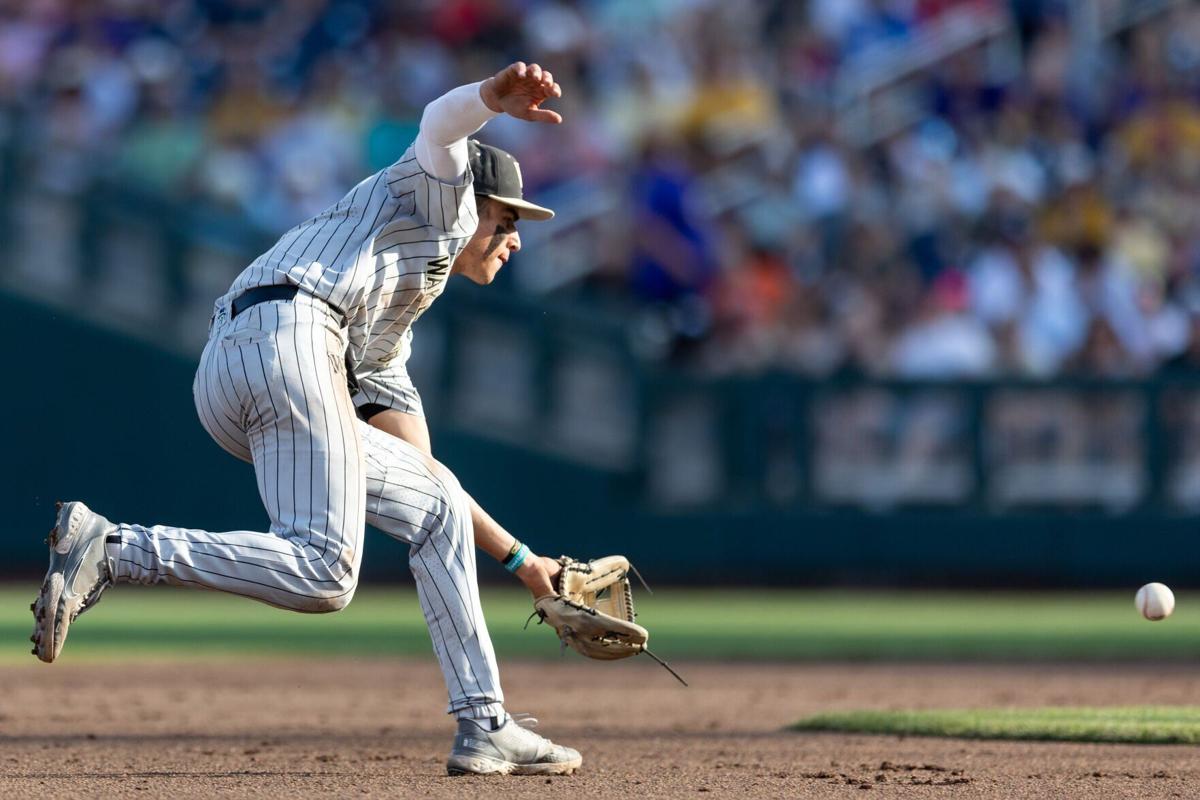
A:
(498, 175)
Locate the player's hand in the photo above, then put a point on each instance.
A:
(538, 575)
(519, 90)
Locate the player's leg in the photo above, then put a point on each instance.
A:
(419, 501)
(271, 379)
(413, 498)
(277, 374)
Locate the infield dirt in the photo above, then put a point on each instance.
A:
(350, 728)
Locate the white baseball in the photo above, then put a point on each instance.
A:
(1155, 601)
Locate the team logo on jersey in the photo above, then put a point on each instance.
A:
(436, 272)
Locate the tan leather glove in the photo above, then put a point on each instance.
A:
(593, 611)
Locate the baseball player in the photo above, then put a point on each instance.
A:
(304, 376)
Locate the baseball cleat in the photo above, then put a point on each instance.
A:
(79, 572)
(509, 750)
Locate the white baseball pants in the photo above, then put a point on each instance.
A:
(271, 389)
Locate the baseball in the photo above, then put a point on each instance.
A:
(1155, 601)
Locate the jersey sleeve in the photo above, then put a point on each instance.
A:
(447, 208)
(387, 388)
(434, 174)
(441, 145)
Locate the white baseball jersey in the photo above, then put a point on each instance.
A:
(380, 257)
(272, 389)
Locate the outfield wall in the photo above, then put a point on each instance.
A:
(94, 415)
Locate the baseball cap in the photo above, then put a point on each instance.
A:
(498, 176)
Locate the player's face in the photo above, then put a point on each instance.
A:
(495, 241)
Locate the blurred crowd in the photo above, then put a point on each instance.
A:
(1037, 218)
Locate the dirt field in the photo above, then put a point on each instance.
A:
(375, 728)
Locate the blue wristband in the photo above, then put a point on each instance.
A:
(517, 560)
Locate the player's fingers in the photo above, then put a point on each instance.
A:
(547, 79)
(519, 69)
(544, 115)
(556, 91)
(535, 72)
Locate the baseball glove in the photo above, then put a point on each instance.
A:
(593, 611)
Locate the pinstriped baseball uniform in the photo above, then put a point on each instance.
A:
(381, 256)
(271, 389)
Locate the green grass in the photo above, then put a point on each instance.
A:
(718, 624)
(1136, 724)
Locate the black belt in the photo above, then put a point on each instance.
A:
(260, 294)
(265, 294)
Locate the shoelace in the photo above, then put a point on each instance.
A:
(525, 720)
(525, 724)
(92, 598)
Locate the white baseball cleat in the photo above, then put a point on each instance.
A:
(509, 750)
(79, 572)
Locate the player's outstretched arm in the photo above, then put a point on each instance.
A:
(517, 90)
(536, 572)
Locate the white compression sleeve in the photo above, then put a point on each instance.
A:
(441, 145)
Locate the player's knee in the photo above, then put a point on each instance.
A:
(451, 491)
(453, 511)
(335, 594)
(329, 605)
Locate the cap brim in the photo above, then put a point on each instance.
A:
(528, 210)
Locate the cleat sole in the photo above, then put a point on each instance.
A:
(461, 764)
(46, 630)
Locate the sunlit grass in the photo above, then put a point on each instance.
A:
(162, 622)
(1137, 724)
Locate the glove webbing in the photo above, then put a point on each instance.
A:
(562, 642)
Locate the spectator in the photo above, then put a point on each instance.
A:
(711, 161)
(946, 341)
(1025, 290)
(672, 257)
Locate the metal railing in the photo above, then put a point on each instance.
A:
(882, 91)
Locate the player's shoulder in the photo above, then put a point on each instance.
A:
(403, 171)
